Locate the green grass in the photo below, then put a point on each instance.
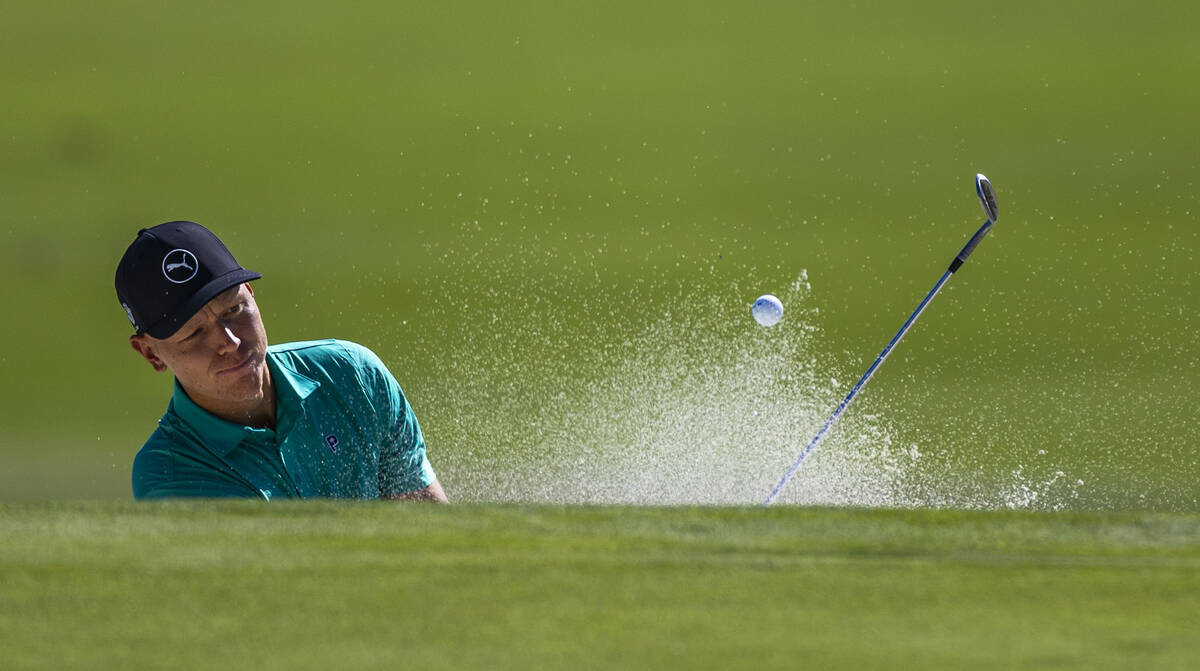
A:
(320, 585)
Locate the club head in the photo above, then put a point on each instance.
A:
(987, 197)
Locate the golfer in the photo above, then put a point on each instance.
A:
(308, 419)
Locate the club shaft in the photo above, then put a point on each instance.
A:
(812, 445)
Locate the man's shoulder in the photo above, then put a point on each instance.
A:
(172, 437)
(174, 464)
(323, 351)
(328, 359)
(156, 461)
(306, 348)
(156, 449)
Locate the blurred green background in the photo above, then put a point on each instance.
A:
(507, 200)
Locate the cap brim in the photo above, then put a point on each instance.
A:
(167, 326)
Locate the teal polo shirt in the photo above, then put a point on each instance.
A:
(343, 429)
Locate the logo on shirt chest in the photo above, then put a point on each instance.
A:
(332, 442)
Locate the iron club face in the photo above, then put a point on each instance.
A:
(987, 197)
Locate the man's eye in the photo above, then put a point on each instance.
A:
(192, 335)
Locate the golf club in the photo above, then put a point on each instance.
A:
(987, 199)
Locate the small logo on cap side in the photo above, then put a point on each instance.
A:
(180, 266)
(129, 313)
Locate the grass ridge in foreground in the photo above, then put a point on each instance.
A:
(322, 584)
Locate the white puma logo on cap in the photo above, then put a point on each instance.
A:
(179, 266)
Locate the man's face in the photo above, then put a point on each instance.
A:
(219, 355)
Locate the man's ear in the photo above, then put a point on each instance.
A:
(143, 346)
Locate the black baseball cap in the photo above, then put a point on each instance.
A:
(169, 273)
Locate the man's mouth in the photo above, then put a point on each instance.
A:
(242, 365)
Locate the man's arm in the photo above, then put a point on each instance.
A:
(405, 473)
(431, 493)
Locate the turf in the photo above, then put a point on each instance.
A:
(327, 585)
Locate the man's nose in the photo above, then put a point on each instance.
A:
(229, 340)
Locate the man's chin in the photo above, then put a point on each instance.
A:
(245, 383)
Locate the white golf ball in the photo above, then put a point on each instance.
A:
(767, 310)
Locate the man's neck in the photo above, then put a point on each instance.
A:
(257, 413)
(262, 415)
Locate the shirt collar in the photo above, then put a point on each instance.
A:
(291, 388)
